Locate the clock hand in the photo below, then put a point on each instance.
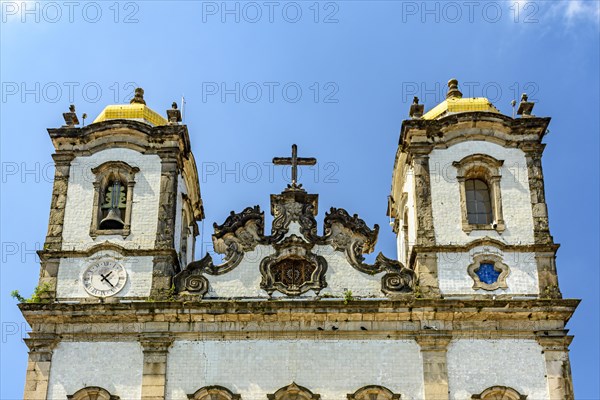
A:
(104, 278)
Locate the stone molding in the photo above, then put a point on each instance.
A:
(533, 158)
(293, 391)
(486, 168)
(92, 393)
(467, 126)
(373, 392)
(499, 393)
(487, 241)
(62, 171)
(272, 319)
(214, 392)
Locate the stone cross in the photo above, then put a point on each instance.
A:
(294, 161)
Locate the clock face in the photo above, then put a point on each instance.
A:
(104, 278)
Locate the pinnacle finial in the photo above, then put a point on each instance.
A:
(138, 97)
(453, 89)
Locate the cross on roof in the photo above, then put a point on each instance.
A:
(294, 161)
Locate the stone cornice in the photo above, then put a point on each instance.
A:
(455, 128)
(104, 246)
(486, 241)
(285, 310)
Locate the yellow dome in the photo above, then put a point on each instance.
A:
(455, 103)
(137, 111)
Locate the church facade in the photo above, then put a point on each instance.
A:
(468, 308)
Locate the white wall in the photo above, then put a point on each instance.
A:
(114, 366)
(475, 365)
(514, 185)
(454, 279)
(80, 200)
(331, 368)
(139, 275)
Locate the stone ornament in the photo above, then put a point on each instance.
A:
(499, 266)
(373, 392)
(214, 393)
(499, 393)
(92, 393)
(293, 392)
(293, 269)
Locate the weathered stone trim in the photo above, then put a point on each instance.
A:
(425, 235)
(92, 393)
(487, 241)
(41, 345)
(469, 126)
(519, 315)
(558, 366)
(104, 246)
(547, 275)
(214, 392)
(486, 168)
(373, 392)
(167, 200)
(426, 268)
(533, 157)
(293, 391)
(154, 373)
(62, 171)
(434, 348)
(499, 392)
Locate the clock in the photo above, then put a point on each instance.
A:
(104, 278)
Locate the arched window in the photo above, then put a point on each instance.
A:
(499, 393)
(113, 197)
(478, 177)
(479, 205)
(92, 393)
(373, 392)
(293, 392)
(214, 393)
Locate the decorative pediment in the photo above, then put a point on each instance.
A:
(296, 266)
(293, 392)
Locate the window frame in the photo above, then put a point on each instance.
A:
(487, 169)
(504, 391)
(364, 393)
(207, 393)
(499, 266)
(98, 393)
(300, 392)
(104, 174)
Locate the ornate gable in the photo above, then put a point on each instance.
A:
(294, 259)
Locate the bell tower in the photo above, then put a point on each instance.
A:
(468, 200)
(125, 203)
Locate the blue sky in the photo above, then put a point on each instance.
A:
(337, 78)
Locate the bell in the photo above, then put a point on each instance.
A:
(113, 220)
